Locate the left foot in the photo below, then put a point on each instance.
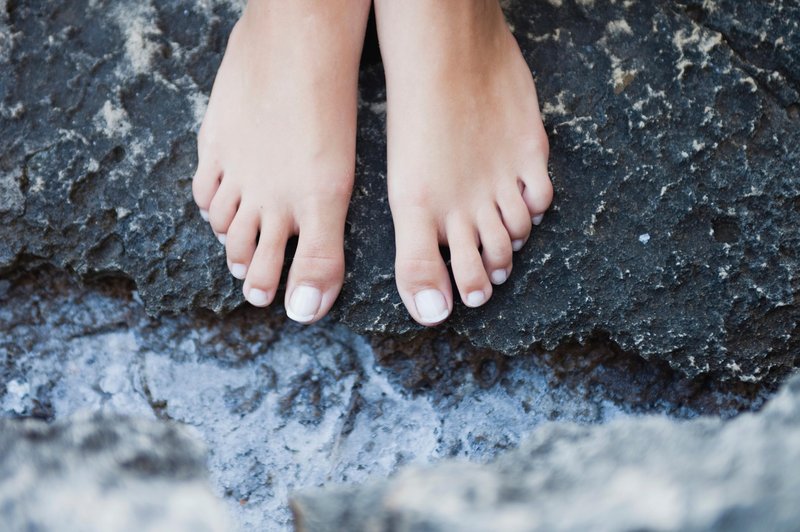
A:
(467, 151)
(277, 148)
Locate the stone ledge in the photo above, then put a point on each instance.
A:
(97, 473)
(674, 133)
(647, 473)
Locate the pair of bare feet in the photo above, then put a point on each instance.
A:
(467, 152)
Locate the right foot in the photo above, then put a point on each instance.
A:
(467, 151)
(276, 150)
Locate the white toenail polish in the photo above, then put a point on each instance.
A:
(537, 219)
(238, 270)
(221, 238)
(516, 245)
(204, 214)
(476, 298)
(499, 276)
(304, 303)
(431, 306)
(257, 297)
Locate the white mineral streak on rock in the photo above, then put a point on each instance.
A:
(113, 121)
(16, 393)
(237, 6)
(699, 40)
(135, 20)
(619, 27)
(11, 198)
(5, 33)
(199, 106)
(620, 77)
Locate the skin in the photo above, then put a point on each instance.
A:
(467, 152)
(277, 147)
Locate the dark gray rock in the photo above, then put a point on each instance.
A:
(99, 474)
(674, 131)
(648, 473)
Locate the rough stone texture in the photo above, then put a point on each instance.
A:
(675, 145)
(647, 473)
(104, 473)
(282, 407)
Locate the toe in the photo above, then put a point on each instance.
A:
(205, 184)
(468, 270)
(516, 216)
(420, 272)
(241, 241)
(538, 192)
(496, 246)
(223, 208)
(317, 271)
(264, 270)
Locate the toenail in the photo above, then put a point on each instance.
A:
(257, 297)
(516, 245)
(476, 298)
(238, 270)
(499, 276)
(221, 238)
(204, 214)
(304, 303)
(431, 305)
(537, 219)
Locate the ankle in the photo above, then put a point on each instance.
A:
(449, 35)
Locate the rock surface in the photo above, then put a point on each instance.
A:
(647, 473)
(283, 407)
(675, 133)
(104, 473)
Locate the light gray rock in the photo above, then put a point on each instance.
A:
(95, 474)
(647, 473)
(282, 407)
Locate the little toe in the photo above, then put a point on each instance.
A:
(223, 209)
(420, 272)
(538, 194)
(205, 184)
(264, 271)
(317, 271)
(496, 247)
(241, 241)
(465, 259)
(516, 217)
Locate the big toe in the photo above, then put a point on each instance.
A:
(420, 272)
(317, 271)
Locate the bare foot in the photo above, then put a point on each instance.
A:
(466, 147)
(277, 148)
